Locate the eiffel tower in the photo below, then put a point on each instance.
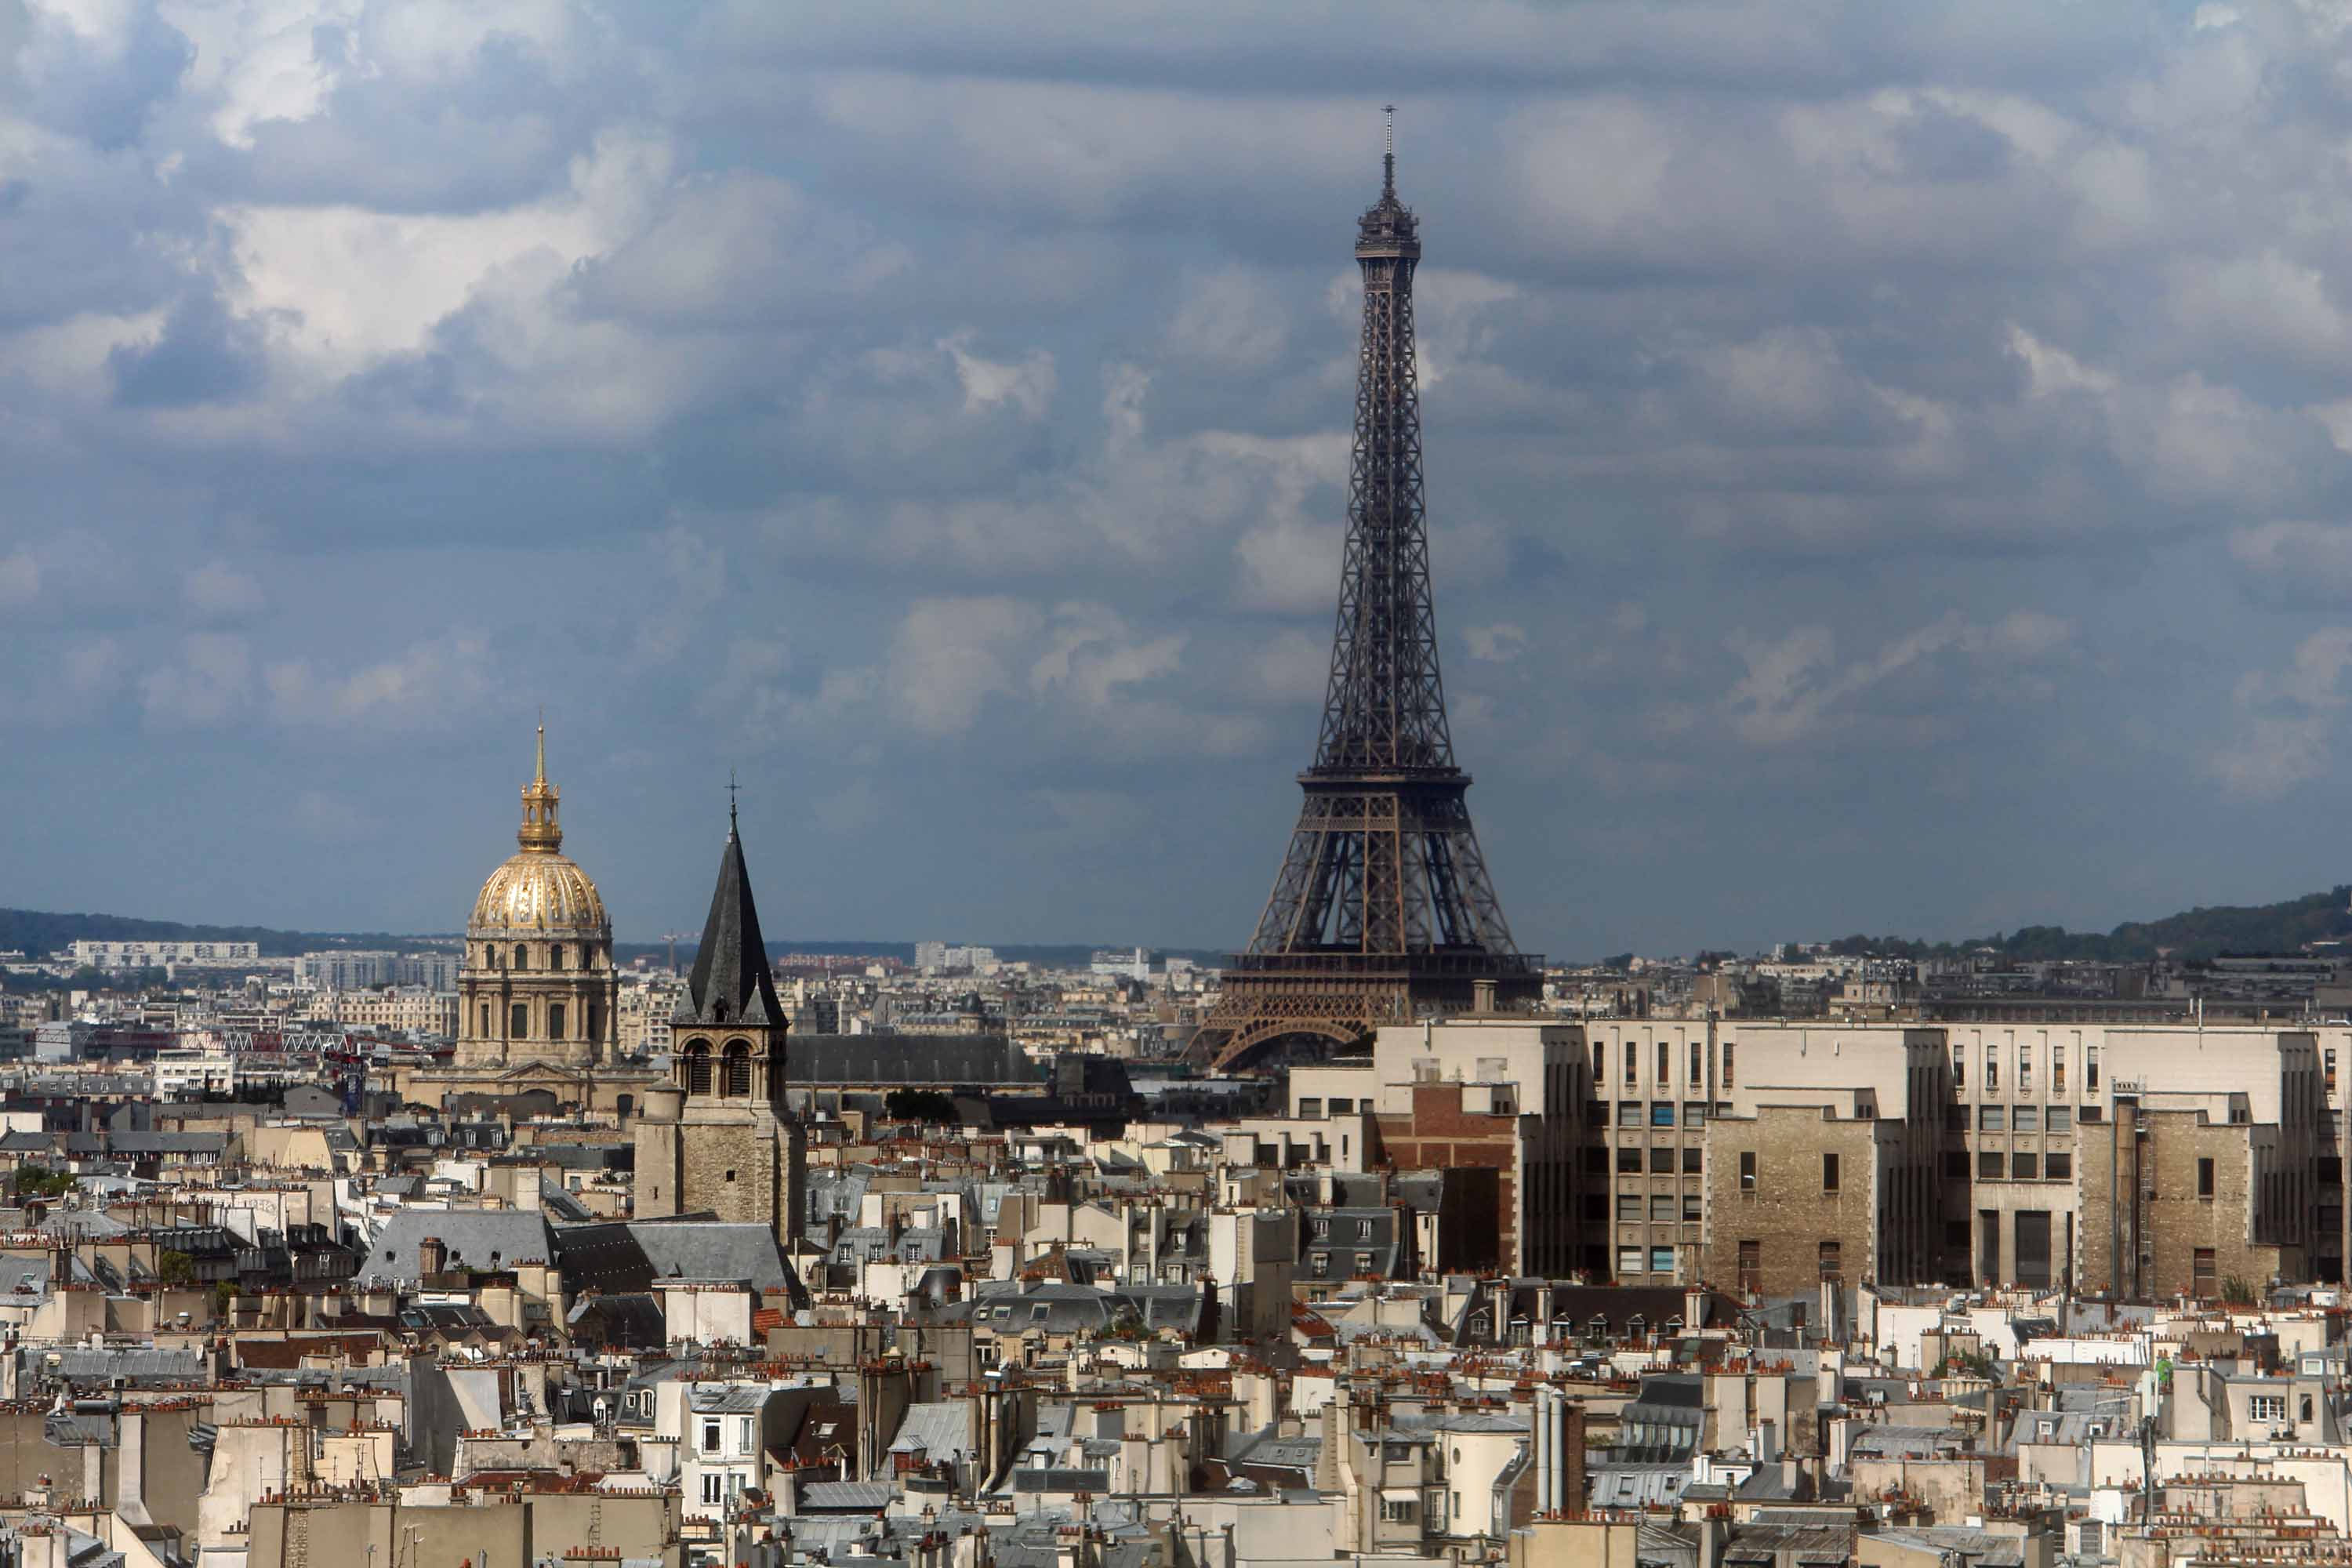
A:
(1382, 912)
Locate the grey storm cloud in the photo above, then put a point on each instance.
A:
(1889, 465)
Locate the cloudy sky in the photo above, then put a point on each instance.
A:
(1888, 465)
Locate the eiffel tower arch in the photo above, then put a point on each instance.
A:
(1383, 910)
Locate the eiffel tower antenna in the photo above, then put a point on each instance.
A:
(1382, 912)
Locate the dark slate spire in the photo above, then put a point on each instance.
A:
(730, 967)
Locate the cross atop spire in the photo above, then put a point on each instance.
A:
(731, 803)
(540, 776)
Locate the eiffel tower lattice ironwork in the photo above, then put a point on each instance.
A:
(1383, 910)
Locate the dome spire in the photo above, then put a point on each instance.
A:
(540, 833)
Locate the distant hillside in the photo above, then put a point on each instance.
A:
(39, 933)
(2197, 933)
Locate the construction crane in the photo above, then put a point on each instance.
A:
(674, 938)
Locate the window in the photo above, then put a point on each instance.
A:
(1312, 1107)
(1363, 1263)
(713, 1485)
(596, 1021)
(1832, 1268)
(1748, 1170)
(1342, 1106)
(1751, 1267)
(2021, 1167)
(1628, 1260)
(1992, 1118)
(555, 956)
(743, 1435)
(2202, 1272)
(1322, 1264)
(2061, 1118)
(1663, 1208)
(1662, 1260)
(1698, 1054)
(1599, 1060)
(522, 956)
(1992, 1070)
(1694, 1113)
(2024, 1068)
(711, 1436)
(1629, 1207)
(1663, 1050)
(1396, 1509)
(1629, 1064)
(2330, 1068)
(1989, 1164)
(697, 1067)
(1629, 1162)
(1691, 1162)
(1829, 1172)
(2058, 1073)
(2091, 1067)
(519, 1021)
(2205, 1178)
(1363, 1230)
(555, 1021)
(1596, 1161)
(1661, 1161)
(1691, 1214)
(2058, 1167)
(1959, 1071)
(486, 1021)
(1662, 1114)
(1727, 1064)
(1629, 1114)
(2265, 1409)
(1956, 1164)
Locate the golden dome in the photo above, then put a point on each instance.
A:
(540, 890)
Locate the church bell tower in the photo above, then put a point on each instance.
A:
(719, 1137)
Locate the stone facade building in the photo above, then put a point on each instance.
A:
(719, 1137)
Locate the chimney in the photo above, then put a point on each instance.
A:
(1571, 1456)
(1482, 996)
(432, 1256)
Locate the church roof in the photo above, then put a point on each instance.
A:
(731, 982)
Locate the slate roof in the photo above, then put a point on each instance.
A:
(871, 1059)
(475, 1238)
(632, 1255)
(731, 982)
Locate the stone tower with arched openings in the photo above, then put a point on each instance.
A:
(718, 1138)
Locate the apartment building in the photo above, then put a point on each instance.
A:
(1770, 1156)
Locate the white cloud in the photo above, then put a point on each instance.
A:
(20, 579)
(2050, 371)
(2290, 718)
(1498, 644)
(950, 655)
(1026, 383)
(324, 818)
(429, 684)
(1793, 689)
(210, 682)
(220, 593)
(1091, 653)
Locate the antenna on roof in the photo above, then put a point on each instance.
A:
(1388, 156)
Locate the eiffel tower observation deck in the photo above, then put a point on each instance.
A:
(1383, 911)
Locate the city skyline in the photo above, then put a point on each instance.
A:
(1872, 496)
